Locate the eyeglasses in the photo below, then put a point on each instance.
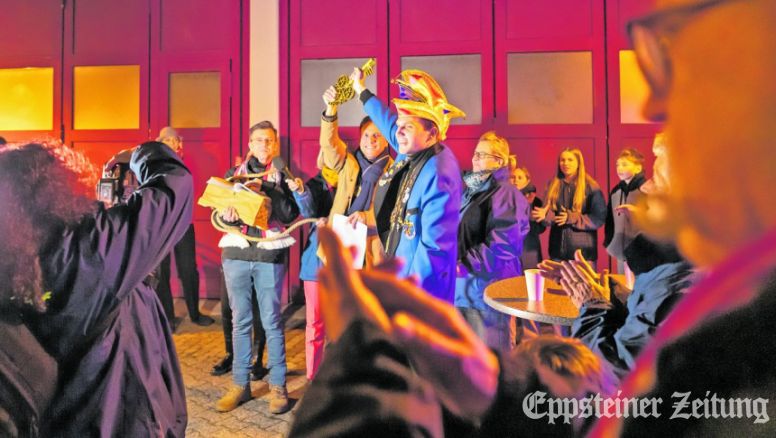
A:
(483, 155)
(649, 38)
(263, 141)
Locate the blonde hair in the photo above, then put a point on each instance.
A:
(500, 148)
(553, 192)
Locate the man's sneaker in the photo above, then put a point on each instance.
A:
(223, 366)
(278, 399)
(234, 397)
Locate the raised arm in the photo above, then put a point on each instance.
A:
(377, 110)
(333, 149)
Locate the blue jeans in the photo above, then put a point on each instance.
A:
(267, 279)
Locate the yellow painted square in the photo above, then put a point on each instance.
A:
(106, 97)
(27, 102)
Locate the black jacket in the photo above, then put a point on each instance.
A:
(580, 230)
(126, 381)
(284, 210)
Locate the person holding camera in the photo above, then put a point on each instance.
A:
(72, 273)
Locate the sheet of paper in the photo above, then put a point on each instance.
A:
(351, 237)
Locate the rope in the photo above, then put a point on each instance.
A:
(219, 225)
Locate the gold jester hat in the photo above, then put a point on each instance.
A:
(421, 96)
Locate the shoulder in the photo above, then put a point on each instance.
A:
(591, 185)
(507, 193)
(445, 164)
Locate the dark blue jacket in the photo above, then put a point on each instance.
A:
(125, 381)
(618, 334)
(315, 201)
(494, 223)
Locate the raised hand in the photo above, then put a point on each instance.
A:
(442, 347)
(344, 297)
(359, 80)
(328, 98)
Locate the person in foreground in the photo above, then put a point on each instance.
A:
(73, 274)
(616, 330)
(404, 363)
(719, 104)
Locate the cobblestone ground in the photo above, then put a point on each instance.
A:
(199, 348)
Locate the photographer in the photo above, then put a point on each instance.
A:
(73, 274)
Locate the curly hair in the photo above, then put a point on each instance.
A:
(43, 189)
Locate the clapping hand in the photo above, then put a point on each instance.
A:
(538, 214)
(550, 269)
(562, 217)
(582, 283)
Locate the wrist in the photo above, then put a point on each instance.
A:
(331, 110)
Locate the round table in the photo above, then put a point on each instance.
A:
(509, 296)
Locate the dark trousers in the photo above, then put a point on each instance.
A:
(259, 337)
(186, 264)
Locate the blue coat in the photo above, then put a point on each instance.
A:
(315, 201)
(435, 200)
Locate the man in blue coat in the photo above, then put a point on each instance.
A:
(418, 197)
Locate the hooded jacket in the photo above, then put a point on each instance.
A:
(618, 230)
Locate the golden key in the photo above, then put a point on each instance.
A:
(344, 85)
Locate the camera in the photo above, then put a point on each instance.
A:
(116, 185)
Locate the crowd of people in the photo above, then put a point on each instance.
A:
(406, 346)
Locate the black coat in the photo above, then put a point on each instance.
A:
(532, 246)
(580, 230)
(119, 374)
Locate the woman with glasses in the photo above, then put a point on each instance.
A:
(575, 209)
(494, 221)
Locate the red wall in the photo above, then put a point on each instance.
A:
(161, 37)
(390, 30)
